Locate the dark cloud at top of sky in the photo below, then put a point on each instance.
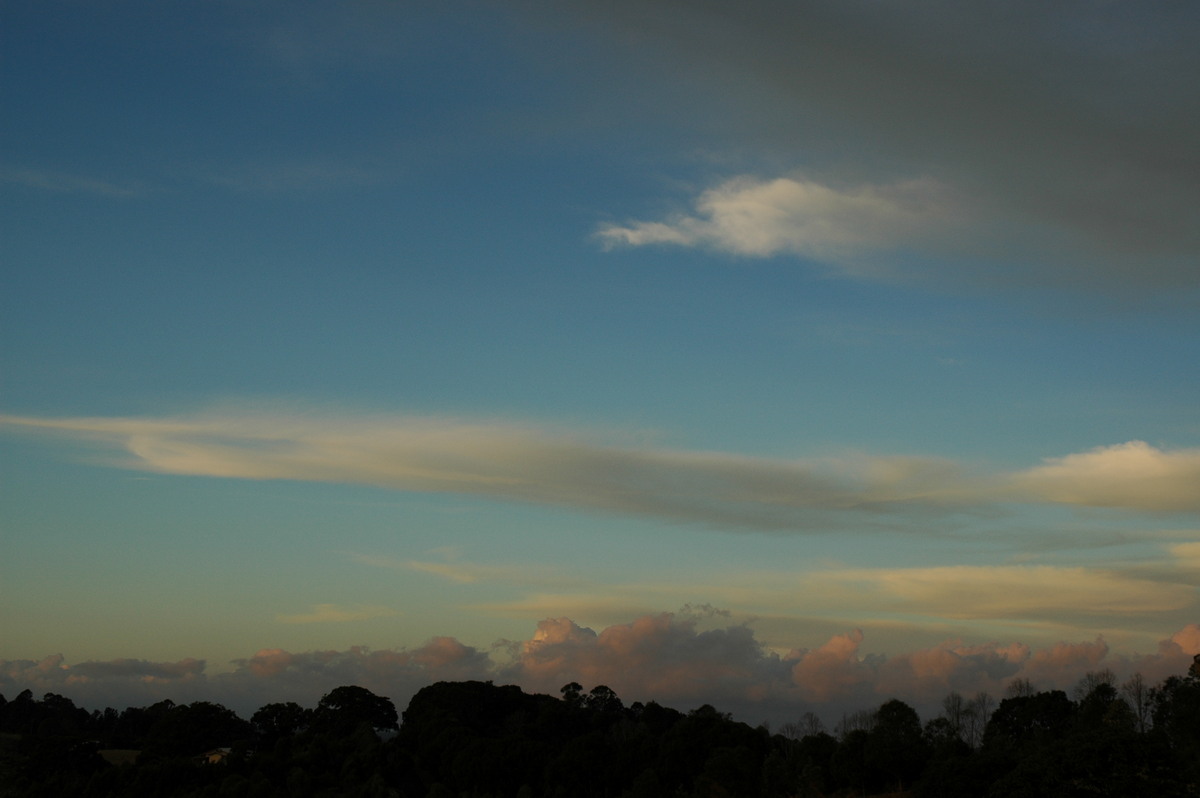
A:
(1076, 118)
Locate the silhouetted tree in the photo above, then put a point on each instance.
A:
(1017, 722)
(1093, 679)
(895, 752)
(1176, 712)
(1137, 693)
(192, 729)
(1020, 688)
(345, 708)
(273, 722)
(572, 693)
(601, 698)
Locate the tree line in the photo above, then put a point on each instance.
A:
(481, 740)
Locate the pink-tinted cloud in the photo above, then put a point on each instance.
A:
(665, 657)
(660, 657)
(832, 669)
(1188, 639)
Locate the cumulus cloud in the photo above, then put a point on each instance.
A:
(831, 669)
(549, 466)
(669, 658)
(749, 216)
(666, 657)
(1188, 639)
(332, 613)
(99, 683)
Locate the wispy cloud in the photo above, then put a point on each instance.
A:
(1012, 592)
(549, 466)
(333, 613)
(455, 569)
(1004, 598)
(65, 183)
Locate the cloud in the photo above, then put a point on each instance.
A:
(63, 183)
(1133, 475)
(1188, 639)
(125, 682)
(667, 657)
(1068, 128)
(662, 657)
(831, 669)
(659, 656)
(1012, 592)
(555, 467)
(462, 572)
(749, 216)
(141, 670)
(894, 604)
(332, 613)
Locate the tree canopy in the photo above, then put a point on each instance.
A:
(474, 739)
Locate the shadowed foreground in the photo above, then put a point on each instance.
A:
(477, 739)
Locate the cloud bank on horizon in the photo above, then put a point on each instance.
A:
(666, 657)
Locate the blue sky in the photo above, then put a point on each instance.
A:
(789, 356)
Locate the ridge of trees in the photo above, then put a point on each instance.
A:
(477, 739)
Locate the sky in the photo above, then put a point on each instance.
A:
(781, 356)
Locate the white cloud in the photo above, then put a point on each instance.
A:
(749, 216)
(1133, 475)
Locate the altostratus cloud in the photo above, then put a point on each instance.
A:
(548, 466)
